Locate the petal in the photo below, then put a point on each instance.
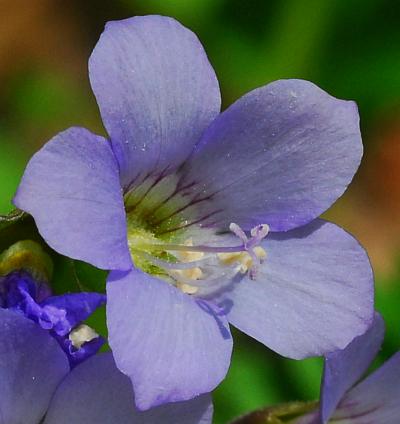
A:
(71, 187)
(96, 392)
(281, 155)
(376, 399)
(171, 346)
(344, 368)
(156, 91)
(88, 349)
(312, 295)
(31, 366)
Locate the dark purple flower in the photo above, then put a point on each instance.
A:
(179, 202)
(61, 315)
(374, 400)
(35, 381)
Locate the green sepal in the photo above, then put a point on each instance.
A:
(286, 413)
(21, 246)
(13, 217)
(27, 255)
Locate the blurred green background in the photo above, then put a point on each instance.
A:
(350, 48)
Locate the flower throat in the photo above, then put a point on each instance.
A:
(162, 235)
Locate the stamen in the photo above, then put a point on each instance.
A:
(258, 234)
(246, 260)
(215, 280)
(199, 248)
(171, 265)
(194, 285)
(188, 263)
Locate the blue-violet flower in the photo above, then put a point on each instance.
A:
(204, 218)
(62, 315)
(41, 340)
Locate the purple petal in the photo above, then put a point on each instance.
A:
(344, 368)
(71, 187)
(78, 355)
(376, 399)
(31, 366)
(281, 155)
(76, 308)
(156, 91)
(171, 346)
(96, 392)
(312, 295)
(20, 293)
(19, 290)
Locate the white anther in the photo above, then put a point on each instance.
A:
(187, 288)
(82, 334)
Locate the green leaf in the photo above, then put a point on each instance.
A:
(75, 276)
(89, 277)
(13, 159)
(248, 385)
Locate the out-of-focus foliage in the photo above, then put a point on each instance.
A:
(349, 48)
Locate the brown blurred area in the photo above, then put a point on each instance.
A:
(38, 31)
(370, 209)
